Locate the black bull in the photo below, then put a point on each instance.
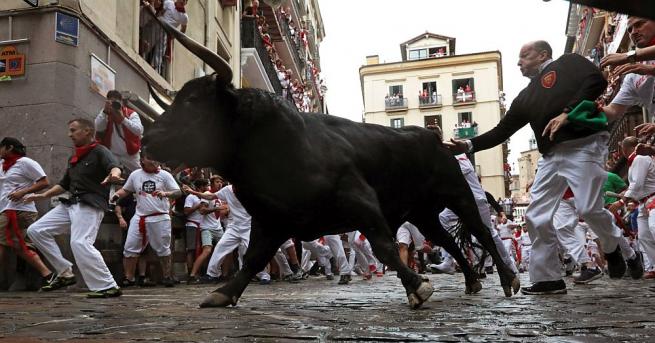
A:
(307, 175)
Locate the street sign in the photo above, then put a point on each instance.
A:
(67, 29)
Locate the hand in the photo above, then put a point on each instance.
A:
(635, 68)
(187, 189)
(613, 60)
(554, 125)
(456, 146)
(615, 206)
(122, 223)
(159, 194)
(645, 150)
(33, 197)
(16, 195)
(112, 178)
(645, 129)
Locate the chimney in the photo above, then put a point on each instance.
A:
(373, 59)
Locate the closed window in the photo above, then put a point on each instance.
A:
(397, 123)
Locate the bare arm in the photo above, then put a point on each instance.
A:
(41, 184)
(55, 190)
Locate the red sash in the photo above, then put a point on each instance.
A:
(142, 227)
(12, 226)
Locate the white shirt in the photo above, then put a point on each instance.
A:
(238, 220)
(641, 176)
(172, 16)
(24, 173)
(525, 238)
(195, 216)
(143, 184)
(209, 220)
(505, 230)
(133, 123)
(637, 90)
(471, 177)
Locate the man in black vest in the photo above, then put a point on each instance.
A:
(573, 142)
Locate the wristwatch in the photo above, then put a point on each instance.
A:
(631, 56)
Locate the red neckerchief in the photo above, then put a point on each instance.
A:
(82, 151)
(180, 8)
(10, 160)
(631, 158)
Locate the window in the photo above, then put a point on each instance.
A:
(397, 123)
(437, 51)
(396, 91)
(464, 118)
(433, 120)
(464, 84)
(430, 87)
(418, 54)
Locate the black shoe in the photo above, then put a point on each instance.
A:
(489, 270)
(615, 264)
(545, 287)
(168, 282)
(636, 267)
(58, 282)
(587, 275)
(107, 293)
(143, 281)
(344, 279)
(127, 282)
(206, 279)
(329, 277)
(193, 280)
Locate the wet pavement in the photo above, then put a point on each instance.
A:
(317, 310)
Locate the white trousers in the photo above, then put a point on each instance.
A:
(361, 251)
(525, 256)
(448, 217)
(225, 246)
(646, 228)
(335, 244)
(578, 164)
(282, 263)
(158, 235)
(82, 222)
(322, 254)
(570, 234)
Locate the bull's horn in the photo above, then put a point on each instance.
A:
(216, 62)
(158, 100)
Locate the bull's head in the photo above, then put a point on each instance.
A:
(194, 129)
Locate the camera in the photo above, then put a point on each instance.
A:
(116, 105)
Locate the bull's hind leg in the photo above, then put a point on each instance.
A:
(261, 250)
(360, 205)
(432, 230)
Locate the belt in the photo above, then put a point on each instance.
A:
(526, 245)
(142, 227)
(506, 238)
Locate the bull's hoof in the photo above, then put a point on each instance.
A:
(513, 287)
(216, 299)
(422, 294)
(473, 288)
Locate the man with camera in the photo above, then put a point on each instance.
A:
(120, 130)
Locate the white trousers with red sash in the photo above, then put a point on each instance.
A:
(158, 236)
(578, 164)
(82, 222)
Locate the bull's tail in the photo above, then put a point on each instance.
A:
(475, 253)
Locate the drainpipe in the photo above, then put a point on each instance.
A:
(205, 8)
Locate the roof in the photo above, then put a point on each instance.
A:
(403, 50)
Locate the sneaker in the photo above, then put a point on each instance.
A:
(143, 281)
(127, 282)
(58, 282)
(168, 282)
(636, 267)
(545, 287)
(587, 275)
(193, 280)
(445, 267)
(329, 277)
(265, 281)
(107, 293)
(297, 276)
(344, 279)
(615, 264)
(206, 279)
(489, 270)
(649, 275)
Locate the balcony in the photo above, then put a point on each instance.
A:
(251, 39)
(393, 104)
(463, 98)
(429, 101)
(154, 43)
(297, 47)
(465, 132)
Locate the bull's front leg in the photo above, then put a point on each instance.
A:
(261, 249)
(359, 203)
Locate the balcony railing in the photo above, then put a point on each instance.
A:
(395, 103)
(298, 48)
(463, 97)
(154, 44)
(250, 38)
(465, 132)
(429, 101)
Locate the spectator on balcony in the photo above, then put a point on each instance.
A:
(120, 129)
(250, 8)
(434, 97)
(175, 14)
(467, 89)
(150, 31)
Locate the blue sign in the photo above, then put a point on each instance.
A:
(67, 29)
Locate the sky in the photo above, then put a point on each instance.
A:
(357, 28)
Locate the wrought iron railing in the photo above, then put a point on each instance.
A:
(429, 100)
(394, 103)
(462, 97)
(250, 38)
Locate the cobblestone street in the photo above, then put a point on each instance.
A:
(321, 311)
